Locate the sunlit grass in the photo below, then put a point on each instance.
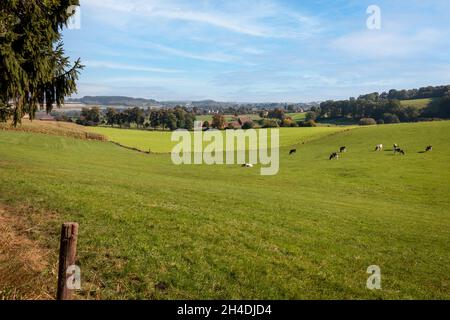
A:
(150, 229)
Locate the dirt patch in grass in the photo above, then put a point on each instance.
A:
(27, 268)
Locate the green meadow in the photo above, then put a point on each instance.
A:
(297, 116)
(160, 141)
(152, 230)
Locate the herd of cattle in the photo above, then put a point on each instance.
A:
(378, 147)
(335, 155)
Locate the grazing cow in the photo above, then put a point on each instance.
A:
(292, 151)
(334, 155)
(395, 146)
(379, 147)
(400, 151)
(429, 148)
(247, 165)
(343, 149)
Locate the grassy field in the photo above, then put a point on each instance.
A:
(153, 230)
(297, 116)
(160, 142)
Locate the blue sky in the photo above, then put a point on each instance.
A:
(268, 50)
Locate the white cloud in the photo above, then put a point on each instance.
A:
(215, 57)
(382, 44)
(212, 19)
(122, 66)
(258, 19)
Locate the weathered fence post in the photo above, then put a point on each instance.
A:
(67, 253)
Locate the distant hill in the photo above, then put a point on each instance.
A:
(120, 101)
(114, 101)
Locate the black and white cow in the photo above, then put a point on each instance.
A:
(334, 155)
(379, 147)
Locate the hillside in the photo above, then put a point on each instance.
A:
(201, 104)
(54, 128)
(150, 229)
(114, 101)
(160, 142)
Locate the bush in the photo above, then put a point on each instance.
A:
(428, 119)
(367, 122)
(61, 117)
(311, 115)
(270, 123)
(218, 121)
(230, 126)
(247, 125)
(309, 123)
(390, 118)
(287, 122)
(81, 122)
(380, 121)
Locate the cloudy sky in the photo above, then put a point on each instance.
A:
(252, 50)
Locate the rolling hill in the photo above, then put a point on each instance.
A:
(160, 142)
(153, 230)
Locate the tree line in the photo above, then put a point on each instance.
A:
(383, 110)
(172, 119)
(421, 93)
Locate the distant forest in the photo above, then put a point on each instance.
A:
(421, 93)
(387, 107)
(372, 108)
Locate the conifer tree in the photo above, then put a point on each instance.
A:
(34, 71)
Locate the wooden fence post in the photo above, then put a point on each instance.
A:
(67, 253)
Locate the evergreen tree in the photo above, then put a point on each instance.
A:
(35, 73)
